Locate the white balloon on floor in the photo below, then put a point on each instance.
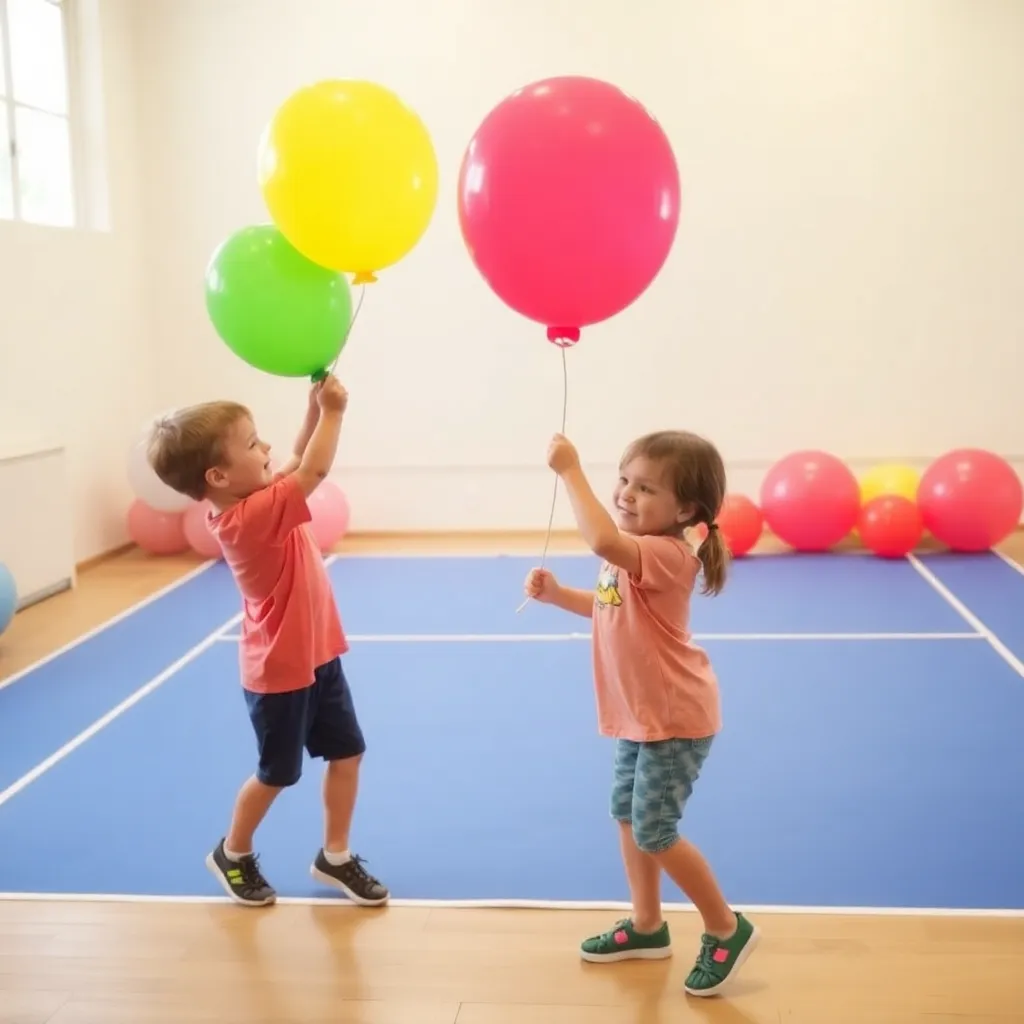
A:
(148, 487)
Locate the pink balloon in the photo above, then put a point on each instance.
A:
(569, 202)
(330, 511)
(156, 532)
(810, 500)
(970, 499)
(197, 533)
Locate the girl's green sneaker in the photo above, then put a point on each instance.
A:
(623, 942)
(719, 959)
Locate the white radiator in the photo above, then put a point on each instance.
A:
(36, 520)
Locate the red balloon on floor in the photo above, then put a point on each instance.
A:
(810, 500)
(970, 499)
(890, 526)
(741, 523)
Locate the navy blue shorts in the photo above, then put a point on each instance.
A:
(320, 719)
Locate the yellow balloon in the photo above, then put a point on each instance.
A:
(889, 479)
(349, 175)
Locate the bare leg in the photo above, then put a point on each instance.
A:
(341, 783)
(644, 875)
(251, 806)
(686, 866)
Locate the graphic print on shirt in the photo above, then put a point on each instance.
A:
(608, 587)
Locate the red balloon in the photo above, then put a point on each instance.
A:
(741, 523)
(970, 499)
(890, 526)
(569, 202)
(810, 500)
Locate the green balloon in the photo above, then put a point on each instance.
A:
(274, 308)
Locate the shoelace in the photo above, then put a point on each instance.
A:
(705, 958)
(357, 863)
(252, 877)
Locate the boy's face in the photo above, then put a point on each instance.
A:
(245, 467)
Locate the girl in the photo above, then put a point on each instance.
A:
(656, 691)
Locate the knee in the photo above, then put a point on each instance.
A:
(345, 766)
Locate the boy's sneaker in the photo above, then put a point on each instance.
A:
(242, 879)
(719, 959)
(623, 942)
(352, 879)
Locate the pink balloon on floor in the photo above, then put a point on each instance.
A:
(568, 201)
(330, 511)
(156, 532)
(197, 532)
(970, 499)
(810, 500)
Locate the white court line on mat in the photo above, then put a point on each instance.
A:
(501, 904)
(449, 638)
(1009, 561)
(968, 616)
(104, 626)
(130, 701)
(101, 723)
(471, 553)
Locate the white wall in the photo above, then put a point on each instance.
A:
(849, 272)
(75, 351)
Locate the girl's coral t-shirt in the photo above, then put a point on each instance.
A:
(651, 681)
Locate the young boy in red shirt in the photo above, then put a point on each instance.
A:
(292, 639)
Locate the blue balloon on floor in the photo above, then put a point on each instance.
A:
(8, 597)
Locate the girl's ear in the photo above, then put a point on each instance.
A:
(685, 513)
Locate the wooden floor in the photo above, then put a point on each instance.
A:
(110, 963)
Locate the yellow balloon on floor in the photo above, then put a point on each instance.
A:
(889, 479)
(349, 176)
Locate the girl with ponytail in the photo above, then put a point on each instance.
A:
(657, 694)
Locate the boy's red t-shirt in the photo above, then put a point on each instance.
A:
(291, 624)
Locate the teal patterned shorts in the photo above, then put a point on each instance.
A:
(652, 783)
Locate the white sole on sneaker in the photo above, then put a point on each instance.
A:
(333, 883)
(755, 938)
(662, 953)
(211, 865)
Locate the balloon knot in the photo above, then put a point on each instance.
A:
(563, 337)
(318, 376)
(364, 277)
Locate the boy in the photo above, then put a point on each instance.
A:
(292, 639)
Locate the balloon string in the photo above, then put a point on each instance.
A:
(352, 323)
(554, 491)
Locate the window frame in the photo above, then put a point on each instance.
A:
(9, 105)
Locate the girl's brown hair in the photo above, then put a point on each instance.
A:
(698, 479)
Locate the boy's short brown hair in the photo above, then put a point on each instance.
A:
(183, 445)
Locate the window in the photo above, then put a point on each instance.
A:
(36, 182)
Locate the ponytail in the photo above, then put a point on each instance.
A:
(714, 558)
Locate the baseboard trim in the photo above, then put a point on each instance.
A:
(103, 556)
(767, 544)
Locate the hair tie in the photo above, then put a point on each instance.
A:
(712, 526)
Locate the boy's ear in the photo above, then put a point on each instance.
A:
(215, 478)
